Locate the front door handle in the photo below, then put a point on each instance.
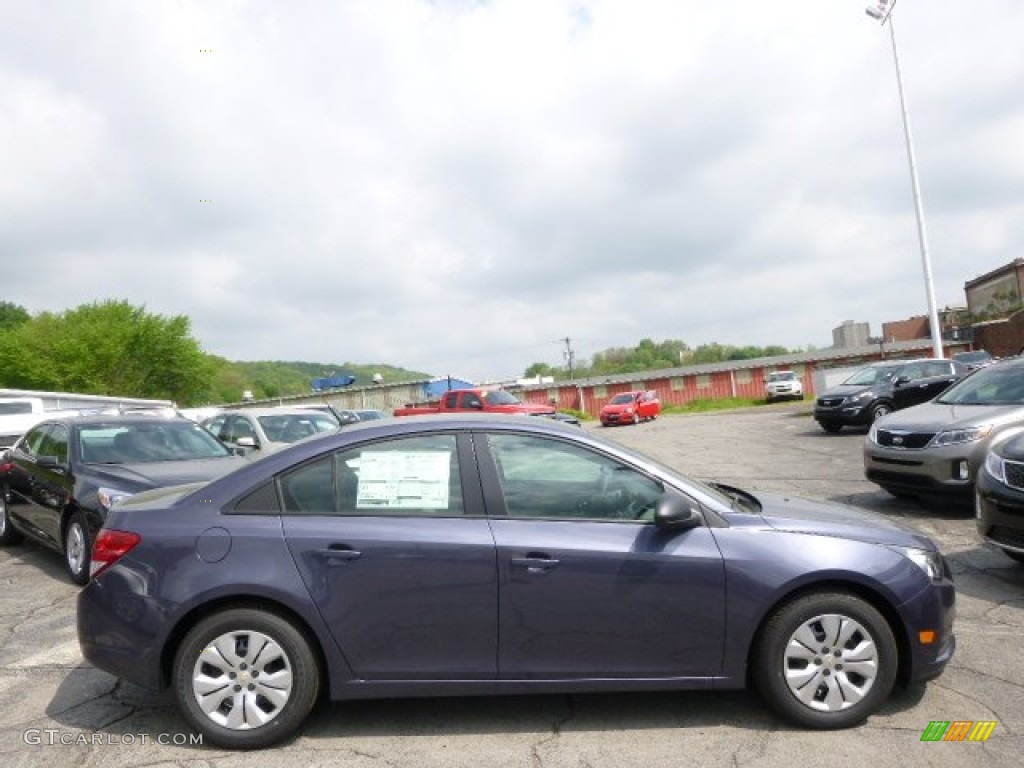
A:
(534, 564)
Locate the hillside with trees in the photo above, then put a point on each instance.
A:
(114, 348)
(650, 356)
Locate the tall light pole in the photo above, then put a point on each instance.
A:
(882, 11)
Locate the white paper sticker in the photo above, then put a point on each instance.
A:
(404, 480)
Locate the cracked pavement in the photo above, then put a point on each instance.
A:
(48, 693)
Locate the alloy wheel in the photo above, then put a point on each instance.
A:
(831, 662)
(242, 680)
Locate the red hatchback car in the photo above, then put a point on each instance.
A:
(631, 408)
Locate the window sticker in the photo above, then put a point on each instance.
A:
(404, 480)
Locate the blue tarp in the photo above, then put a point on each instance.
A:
(333, 382)
(434, 389)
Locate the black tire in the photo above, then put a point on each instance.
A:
(829, 669)
(830, 426)
(77, 549)
(8, 535)
(880, 410)
(1018, 556)
(282, 646)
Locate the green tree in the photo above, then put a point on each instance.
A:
(107, 348)
(12, 315)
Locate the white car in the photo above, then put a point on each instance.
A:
(265, 430)
(783, 385)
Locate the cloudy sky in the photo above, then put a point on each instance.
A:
(455, 186)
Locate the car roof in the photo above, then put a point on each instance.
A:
(96, 419)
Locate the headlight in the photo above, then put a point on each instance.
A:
(108, 497)
(954, 436)
(927, 560)
(995, 466)
(873, 433)
(866, 395)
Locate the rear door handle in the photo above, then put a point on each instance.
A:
(340, 552)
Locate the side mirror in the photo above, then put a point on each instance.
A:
(901, 380)
(247, 442)
(478, 404)
(51, 462)
(675, 512)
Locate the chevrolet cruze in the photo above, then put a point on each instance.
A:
(462, 555)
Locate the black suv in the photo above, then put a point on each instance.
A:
(874, 391)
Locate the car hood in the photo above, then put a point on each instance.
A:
(845, 390)
(796, 515)
(617, 407)
(157, 474)
(934, 416)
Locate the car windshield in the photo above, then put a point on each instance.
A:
(781, 376)
(972, 357)
(872, 375)
(290, 428)
(625, 397)
(165, 440)
(995, 385)
(500, 397)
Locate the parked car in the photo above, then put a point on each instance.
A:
(265, 430)
(937, 448)
(881, 388)
(975, 359)
(631, 408)
(999, 497)
(477, 554)
(340, 415)
(60, 479)
(783, 385)
(369, 414)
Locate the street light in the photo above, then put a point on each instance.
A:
(882, 12)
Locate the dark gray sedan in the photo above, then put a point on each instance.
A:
(450, 555)
(60, 479)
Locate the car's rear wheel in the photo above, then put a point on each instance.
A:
(825, 660)
(245, 678)
(77, 549)
(7, 533)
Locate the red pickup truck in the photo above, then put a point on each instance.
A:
(476, 400)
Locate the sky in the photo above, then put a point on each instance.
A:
(459, 186)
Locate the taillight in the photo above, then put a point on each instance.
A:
(109, 547)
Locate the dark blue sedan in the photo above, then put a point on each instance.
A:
(477, 555)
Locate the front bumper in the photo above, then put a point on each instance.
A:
(1000, 513)
(934, 610)
(849, 413)
(947, 470)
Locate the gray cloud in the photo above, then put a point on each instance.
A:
(456, 186)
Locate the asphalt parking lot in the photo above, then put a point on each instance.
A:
(57, 709)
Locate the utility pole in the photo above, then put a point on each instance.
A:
(569, 355)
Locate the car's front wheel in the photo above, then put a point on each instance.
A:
(880, 410)
(826, 660)
(77, 549)
(245, 678)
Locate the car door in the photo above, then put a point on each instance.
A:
(393, 546)
(40, 480)
(920, 382)
(588, 585)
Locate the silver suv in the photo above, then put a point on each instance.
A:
(937, 448)
(783, 385)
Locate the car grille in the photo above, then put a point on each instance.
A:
(830, 402)
(1014, 474)
(1003, 535)
(893, 439)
